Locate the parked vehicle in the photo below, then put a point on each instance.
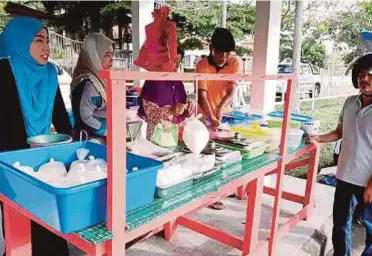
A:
(309, 81)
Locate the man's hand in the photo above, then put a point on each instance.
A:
(178, 109)
(315, 139)
(368, 193)
(218, 113)
(215, 122)
(190, 109)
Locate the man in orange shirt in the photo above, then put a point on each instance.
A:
(216, 96)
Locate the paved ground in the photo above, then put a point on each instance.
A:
(358, 231)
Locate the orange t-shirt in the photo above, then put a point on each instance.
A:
(217, 90)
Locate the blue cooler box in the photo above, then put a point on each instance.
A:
(71, 209)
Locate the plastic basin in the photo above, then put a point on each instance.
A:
(48, 140)
(71, 209)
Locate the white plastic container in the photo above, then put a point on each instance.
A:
(131, 114)
(295, 137)
(311, 127)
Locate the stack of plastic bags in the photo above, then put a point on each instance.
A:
(80, 172)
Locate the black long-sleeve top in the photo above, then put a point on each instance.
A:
(12, 128)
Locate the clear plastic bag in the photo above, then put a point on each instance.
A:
(195, 135)
(26, 169)
(53, 168)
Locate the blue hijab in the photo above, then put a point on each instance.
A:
(36, 84)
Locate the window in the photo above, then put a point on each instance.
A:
(284, 69)
(305, 70)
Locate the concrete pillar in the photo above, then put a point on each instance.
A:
(265, 55)
(141, 16)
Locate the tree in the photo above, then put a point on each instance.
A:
(344, 29)
(78, 18)
(312, 51)
(200, 18)
(118, 13)
(2, 15)
(241, 51)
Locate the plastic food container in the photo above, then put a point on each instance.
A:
(295, 137)
(294, 117)
(276, 123)
(71, 209)
(247, 154)
(166, 191)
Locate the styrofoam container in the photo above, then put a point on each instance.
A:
(295, 137)
(71, 209)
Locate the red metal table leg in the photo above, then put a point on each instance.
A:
(169, 230)
(311, 180)
(253, 216)
(17, 232)
(241, 193)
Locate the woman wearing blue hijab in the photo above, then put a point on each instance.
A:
(30, 102)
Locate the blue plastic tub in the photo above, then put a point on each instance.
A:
(242, 116)
(71, 209)
(294, 117)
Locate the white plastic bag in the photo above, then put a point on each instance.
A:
(195, 135)
(53, 168)
(81, 153)
(26, 169)
(83, 171)
(96, 164)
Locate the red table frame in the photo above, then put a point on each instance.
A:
(17, 219)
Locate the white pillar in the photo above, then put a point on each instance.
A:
(265, 55)
(224, 13)
(141, 16)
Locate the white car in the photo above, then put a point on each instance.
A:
(309, 80)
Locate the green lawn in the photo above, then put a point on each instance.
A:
(327, 111)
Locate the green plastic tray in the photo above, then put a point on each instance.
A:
(246, 154)
(173, 189)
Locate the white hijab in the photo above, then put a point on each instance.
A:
(90, 62)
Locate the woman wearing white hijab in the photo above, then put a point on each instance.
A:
(88, 91)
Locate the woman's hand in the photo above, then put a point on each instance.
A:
(190, 109)
(178, 109)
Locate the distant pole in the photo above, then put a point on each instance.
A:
(296, 63)
(224, 13)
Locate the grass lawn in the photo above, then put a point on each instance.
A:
(327, 111)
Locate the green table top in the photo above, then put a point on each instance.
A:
(137, 217)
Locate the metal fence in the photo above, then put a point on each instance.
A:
(64, 51)
(331, 87)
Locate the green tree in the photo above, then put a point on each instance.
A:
(313, 52)
(344, 29)
(79, 18)
(2, 15)
(200, 18)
